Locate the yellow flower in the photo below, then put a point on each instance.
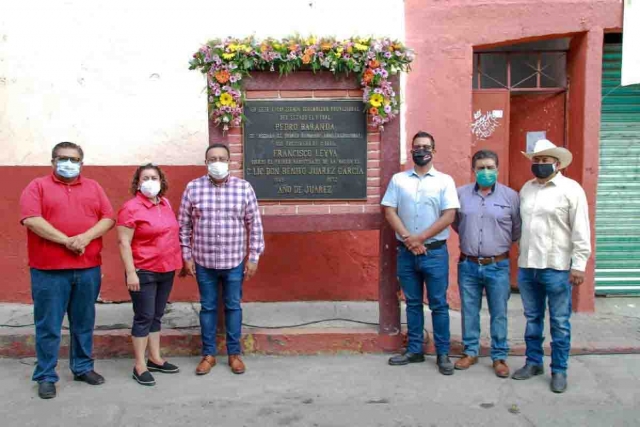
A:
(277, 45)
(233, 104)
(339, 50)
(233, 47)
(364, 40)
(226, 99)
(375, 100)
(247, 49)
(360, 47)
(312, 40)
(228, 55)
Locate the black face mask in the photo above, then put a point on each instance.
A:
(543, 170)
(421, 157)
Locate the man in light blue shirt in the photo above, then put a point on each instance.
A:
(420, 204)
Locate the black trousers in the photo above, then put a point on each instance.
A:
(149, 302)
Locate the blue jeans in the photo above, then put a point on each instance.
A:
(54, 293)
(232, 288)
(494, 279)
(413, 272)
(536, 285)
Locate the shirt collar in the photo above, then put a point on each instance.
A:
(556, 180)
(432, 172)
(55, 179)
(476, 188)
(222, 184)
(147, 201)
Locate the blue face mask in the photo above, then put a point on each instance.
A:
(486, 177)
(68, 169)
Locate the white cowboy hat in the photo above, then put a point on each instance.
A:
(544, 147)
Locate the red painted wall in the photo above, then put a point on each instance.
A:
(310, 266)
(439, 88)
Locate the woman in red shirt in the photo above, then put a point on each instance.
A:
(150, 251)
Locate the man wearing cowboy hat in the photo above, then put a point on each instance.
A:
(554, 249)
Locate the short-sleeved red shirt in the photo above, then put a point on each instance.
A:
(70, 208)
(156, 243)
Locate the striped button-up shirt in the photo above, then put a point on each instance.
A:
(214, 222)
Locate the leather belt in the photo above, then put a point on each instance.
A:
(436, 244)
(484, 260)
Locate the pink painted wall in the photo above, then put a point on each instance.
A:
(439, 88)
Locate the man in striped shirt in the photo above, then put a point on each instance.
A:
(218, 214)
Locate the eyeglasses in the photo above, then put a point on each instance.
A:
(421, 149)
(66, 158)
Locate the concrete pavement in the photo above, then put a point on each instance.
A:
(324, 391)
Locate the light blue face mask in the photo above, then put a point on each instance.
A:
(68, 169)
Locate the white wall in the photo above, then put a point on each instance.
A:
(113, 75)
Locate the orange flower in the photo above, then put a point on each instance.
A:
(309, 51)
(264, 48)
(306, 59)
(373, 111)
(293, 47)
(374, 64)
(350, 49)
(368, 76)
(326, 46)
(222, 76)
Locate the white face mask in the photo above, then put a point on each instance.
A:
(150, 188)
(218, 170)
(68, 169)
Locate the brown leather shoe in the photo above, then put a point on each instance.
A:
(465, 362)
(237, 366)
(501, 368)
(205, 365)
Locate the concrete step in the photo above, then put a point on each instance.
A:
(318, 327)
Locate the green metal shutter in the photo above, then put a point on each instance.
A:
(618, 200)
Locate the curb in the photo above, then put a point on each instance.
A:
(284, 342)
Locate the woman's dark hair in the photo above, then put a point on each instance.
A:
(135, 183)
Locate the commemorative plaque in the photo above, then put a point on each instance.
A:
(306, 149)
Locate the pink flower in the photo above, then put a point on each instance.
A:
(387, 109)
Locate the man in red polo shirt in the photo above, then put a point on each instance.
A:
(66, 216)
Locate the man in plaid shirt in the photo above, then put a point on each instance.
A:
(216, 214)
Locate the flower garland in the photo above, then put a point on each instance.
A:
(226, 62)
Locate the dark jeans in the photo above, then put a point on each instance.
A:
(149, 302)
(536, 287)
(413, 272)
(473, 278)
(54, 293)
(232, 288)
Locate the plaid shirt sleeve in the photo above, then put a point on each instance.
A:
(186, 224)
(253, 223)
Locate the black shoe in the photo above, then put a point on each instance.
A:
(91, 377)
(405, 359)
(166, 368)
(444, 364)
(144, 378)
(46, 390)
(558, 382)
(527, 371)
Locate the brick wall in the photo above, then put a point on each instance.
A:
(371, 205)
